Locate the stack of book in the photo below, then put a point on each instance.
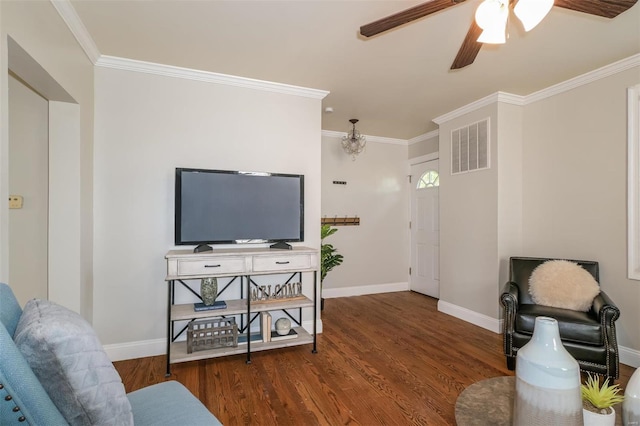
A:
(218, 304)
(291, 335)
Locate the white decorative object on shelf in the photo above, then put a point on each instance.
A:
(631, 404)
(283, 325)
(547, 380)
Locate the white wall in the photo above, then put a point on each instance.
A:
(146, 126)
(47, 56)
(574, 181)
(557, 188)
(67, 285)
(424, 145)
(469, 261)
(376, 253)
(509, 220)
(29, 178)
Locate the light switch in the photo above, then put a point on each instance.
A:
(15, 201)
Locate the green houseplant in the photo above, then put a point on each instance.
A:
(329, 256)
(598, 401)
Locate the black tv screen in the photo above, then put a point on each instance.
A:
(223, 207)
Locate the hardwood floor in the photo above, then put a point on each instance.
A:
(385, 359)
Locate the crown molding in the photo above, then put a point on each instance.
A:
(207, 76)
(69, 15)
(391, 141)
(376, 139)
(333, 134)
(424, 137)
(581, 80)
(487, 100)
(380, 139)
(76, 26)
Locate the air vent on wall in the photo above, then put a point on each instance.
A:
(470, 147)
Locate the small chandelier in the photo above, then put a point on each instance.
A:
(353, 142)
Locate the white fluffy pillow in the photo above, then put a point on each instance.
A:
(563, 284)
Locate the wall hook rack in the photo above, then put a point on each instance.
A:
(341, 221)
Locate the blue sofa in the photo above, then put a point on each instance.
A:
(24, 400)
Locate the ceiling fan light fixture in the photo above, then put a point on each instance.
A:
(492, 16)
(532, 12)
(491, 13)
(493, 36)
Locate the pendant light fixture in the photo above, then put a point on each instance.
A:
(353, 142)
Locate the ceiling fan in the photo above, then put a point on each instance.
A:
(491, 21)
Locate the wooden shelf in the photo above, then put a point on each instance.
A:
(179, 349)
(185, 312)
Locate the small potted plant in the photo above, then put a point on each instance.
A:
(329, 257)
(598, 401)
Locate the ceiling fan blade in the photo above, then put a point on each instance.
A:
(605, 8)
(469, 49)
(408, 15)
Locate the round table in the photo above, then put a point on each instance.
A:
(487, 402)
(490, 402)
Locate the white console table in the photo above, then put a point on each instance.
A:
(242, 263)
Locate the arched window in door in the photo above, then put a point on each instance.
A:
(429, 179)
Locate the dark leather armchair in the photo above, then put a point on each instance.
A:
(590, 337)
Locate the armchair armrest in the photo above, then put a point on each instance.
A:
(509, 299)
(606, 311)
(509, 295)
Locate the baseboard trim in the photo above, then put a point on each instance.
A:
(628, 356)
(330, 293)
(475, 318)
(132, 350)
(145, 348)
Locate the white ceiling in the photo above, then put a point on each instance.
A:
(395, 83)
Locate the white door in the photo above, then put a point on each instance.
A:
(425, 229)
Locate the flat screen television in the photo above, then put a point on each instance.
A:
(235, 207)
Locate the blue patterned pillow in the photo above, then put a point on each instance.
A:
(70, 363)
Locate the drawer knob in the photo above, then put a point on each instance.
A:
(282, 263)
(211, 266)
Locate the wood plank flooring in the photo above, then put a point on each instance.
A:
(385, 359)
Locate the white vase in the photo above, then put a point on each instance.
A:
(595, 419)
(631, 403)
(547, 380)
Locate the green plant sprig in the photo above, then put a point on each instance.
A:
(329, 257)
(603, 396)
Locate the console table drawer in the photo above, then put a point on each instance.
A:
(281, 263)
(212, 267)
